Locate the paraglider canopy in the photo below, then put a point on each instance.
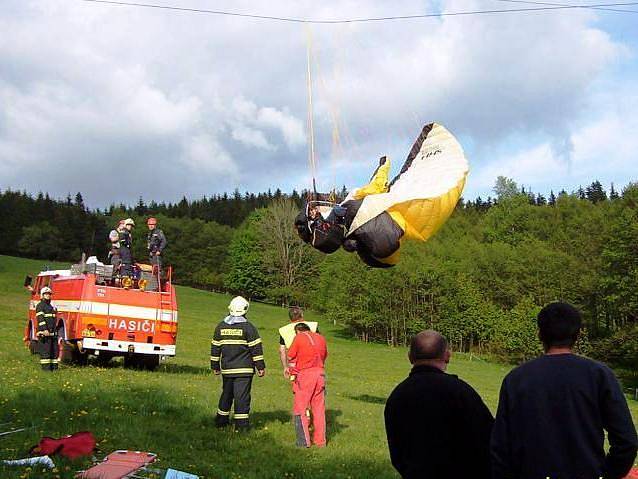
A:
(375, 219)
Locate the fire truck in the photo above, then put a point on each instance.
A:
(104, 315)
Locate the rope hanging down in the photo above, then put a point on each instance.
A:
(311, 132)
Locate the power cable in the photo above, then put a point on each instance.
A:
(530, 2)
(547, 7)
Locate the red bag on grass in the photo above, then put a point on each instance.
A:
(633, 474)
(73, 446)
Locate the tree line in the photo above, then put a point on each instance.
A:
(480, 281)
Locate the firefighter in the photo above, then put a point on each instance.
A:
(46, 316)
(126, 241)
(114, 252)
(156, 242)
(308, 353)
(236, 352)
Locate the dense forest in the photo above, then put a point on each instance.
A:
(481, 280)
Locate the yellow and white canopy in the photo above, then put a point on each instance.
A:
(423, 195)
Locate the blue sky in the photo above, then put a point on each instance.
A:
(118, 102)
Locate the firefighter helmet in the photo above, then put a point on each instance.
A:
(45, 290)
(129, 221)
(238, 306)
(151, 221)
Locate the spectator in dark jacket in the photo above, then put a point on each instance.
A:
(553, 412)
(437, 425)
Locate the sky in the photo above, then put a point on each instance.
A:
(121, 102)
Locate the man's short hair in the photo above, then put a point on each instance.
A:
(295, 313)
(428, 344)
(559, 324)
(301, 327)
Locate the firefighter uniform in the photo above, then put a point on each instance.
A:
(114, 252)
(156, 242)
(46, 317)
(236, 351)
(126, 256)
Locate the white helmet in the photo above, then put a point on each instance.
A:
(45, 290)
(129, 221)
(238, 306)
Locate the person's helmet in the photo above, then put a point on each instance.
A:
(129, 221)
(45, 290)
(238, 306)
(151, 221)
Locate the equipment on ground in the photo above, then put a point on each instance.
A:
(118, 465)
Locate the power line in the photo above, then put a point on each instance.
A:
(546, 7)
(530, 2)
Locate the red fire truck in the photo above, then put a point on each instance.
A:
(107, 316)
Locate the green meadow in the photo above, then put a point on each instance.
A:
(170, 411)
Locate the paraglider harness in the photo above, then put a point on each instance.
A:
(324, 230)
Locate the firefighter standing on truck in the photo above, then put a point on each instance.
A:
(114, 251)
(126, 243)
(236, 351)
(46, 317)
(308, 353)
(156, 242)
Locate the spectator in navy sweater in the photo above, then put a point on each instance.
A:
(438, 426)
(553, 412)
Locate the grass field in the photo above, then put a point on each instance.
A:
(170, 411)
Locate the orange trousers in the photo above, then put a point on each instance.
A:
(309, 388)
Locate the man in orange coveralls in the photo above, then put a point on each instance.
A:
(308, 353)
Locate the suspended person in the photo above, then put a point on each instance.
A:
(375, 220)
(308, 353)
(287, 334)
(114, 251)
(437, 425)
(126, 243)
(236, 352)
(156, 242)
(46, 316)
(553, 411)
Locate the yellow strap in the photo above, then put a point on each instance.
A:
(38, 314)
(223, 413)
(232, 341)
(238, 371)
(214, 358)
(241, 416)
(255, 342)
(258, 358)
(42, 323)
(216, 343)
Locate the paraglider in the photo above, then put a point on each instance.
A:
(376, 219)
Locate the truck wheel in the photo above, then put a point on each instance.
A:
(70, 354)
(151, 361)
(103, 359)
(131, 361)
(80, 358)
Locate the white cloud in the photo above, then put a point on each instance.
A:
(204, 104)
